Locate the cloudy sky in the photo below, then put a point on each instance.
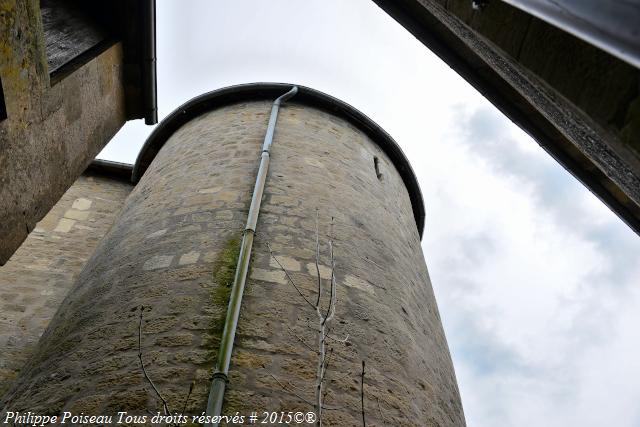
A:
(537, 281)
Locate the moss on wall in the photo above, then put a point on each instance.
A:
(224, 270)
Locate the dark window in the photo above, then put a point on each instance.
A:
(3, 107)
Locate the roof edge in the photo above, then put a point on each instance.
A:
(269, 91)
(115, 170)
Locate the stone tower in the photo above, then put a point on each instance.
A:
(159, 280)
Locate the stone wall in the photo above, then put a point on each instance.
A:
(37, 278)
(52, 131)
(170, 258)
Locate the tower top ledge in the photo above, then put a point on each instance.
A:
(269, 91)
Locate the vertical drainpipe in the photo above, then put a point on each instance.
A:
(220, 376)
(149, 75)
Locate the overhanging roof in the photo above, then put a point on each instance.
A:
(577, 101)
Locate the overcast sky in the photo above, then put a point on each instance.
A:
(537, 282)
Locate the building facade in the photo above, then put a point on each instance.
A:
(118, 271)
(71, 74)
(157, 285)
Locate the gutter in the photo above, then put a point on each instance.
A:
(148, 65)
(220, 376)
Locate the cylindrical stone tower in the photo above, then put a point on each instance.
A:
(169, 259)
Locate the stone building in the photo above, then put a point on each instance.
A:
(123, 263)
(164, 253)
(71, 74)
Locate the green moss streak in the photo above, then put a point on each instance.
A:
(6, 379)
(224, 270)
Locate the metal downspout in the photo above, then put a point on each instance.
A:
(149, 74)
(220, 376)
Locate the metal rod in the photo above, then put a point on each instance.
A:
(220, 376)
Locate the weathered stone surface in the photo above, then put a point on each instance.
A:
(385, 306)
(37, 278)
(273, 275)
(158, 261)
(52, 131)
(189, 258)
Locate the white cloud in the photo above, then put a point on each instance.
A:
(533, 285)
(536, 281)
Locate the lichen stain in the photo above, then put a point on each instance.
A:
(224, 270)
